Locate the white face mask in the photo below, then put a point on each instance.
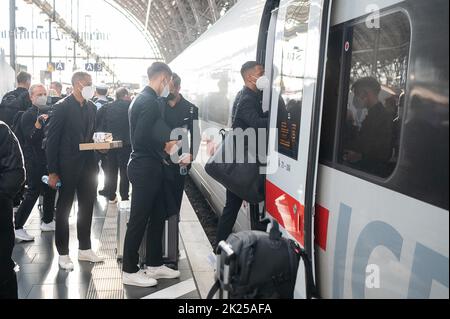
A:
(358, 103)
(166, 91)
(41, 101)
(88, 92)
(263, 83)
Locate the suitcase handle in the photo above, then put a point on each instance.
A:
(224, 278)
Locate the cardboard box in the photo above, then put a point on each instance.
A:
(101, 146)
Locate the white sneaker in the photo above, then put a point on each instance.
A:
(89, 255)
(22, 235)
(48, 227)
(138, 279)
(65, 263)
(162, 272)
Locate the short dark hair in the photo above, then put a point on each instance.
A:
(23, 77)
(176, 80)
(121, 93)
(57, 84)
(157, 68)
(102, 91)
(248, 66)
(79, 76)
(367, 84)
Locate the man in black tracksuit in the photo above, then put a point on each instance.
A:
(178, 113)
(247, 113)
(12, 178)
(150, 138)
(115, 121)
(15, 101)
(33, 122)
(73, 123)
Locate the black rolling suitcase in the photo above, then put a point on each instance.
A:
(170, 243)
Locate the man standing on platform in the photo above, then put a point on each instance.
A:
(12, 178)
(150, 138)
(73, 123)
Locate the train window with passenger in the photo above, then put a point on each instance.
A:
(376, 56)
(217, 106)
(292, 73)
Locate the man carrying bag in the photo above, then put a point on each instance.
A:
(240, 173)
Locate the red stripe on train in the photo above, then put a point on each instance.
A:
(321, 226)
(287, 211)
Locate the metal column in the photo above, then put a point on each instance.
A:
(12, 33)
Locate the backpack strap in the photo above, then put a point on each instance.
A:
(213, 290)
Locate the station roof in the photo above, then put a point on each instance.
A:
(175, 24)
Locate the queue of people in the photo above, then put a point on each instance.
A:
(53, 126)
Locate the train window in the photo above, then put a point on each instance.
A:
(292, 73)
(217, 106)
(376, 75)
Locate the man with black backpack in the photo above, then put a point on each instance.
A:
(32, 126)
(15, 101)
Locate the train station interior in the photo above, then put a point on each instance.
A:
(339, 108)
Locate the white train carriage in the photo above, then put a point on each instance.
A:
(378, 230)
(7, 78)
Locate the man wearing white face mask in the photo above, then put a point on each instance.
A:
(247, 114)
(32, 126)
(73, 123)
(150, 137)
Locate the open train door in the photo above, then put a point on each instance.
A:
(297, 74)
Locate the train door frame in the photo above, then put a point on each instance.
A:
(323, 20)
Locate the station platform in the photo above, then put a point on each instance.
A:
(39, 276)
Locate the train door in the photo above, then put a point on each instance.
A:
(295, 114)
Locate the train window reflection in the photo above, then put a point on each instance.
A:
(217, 105)
(292, 77)
(377, 79)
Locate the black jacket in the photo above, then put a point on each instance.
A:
(374, 141)
(149, 132)
(247, 110)
(12, 103)
(113, 118)
(183, 115)
(69, 126)
(32, 149)
(12, 171)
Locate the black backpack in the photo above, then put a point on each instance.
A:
(17, 128)
(260, 266)
(9, 105)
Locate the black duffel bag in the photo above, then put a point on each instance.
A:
(257, 265)
(238, 173)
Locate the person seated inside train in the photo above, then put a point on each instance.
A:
(371, 148)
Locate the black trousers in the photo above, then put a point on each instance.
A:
(8, 282)
(146, 177)
(118, 162)
(169, 203)
(81, 178)
(228, 219)
(35, 171)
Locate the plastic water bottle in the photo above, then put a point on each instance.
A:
(45, 179)
(183, 171)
